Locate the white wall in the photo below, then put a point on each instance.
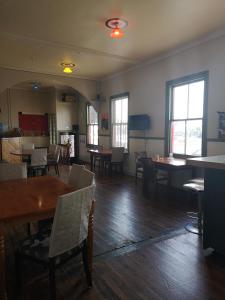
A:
(146, 86)
(13, 101)
(66, 112)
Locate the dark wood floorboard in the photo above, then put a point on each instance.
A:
(169, 268)
(124, 216)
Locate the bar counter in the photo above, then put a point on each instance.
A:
(213, 201)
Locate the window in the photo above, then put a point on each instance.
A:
(119, 120)
(186, 123)
(92, 126)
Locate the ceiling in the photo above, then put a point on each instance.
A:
(38, 35)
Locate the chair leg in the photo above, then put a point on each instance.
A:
(52, 286)
(18, 273)
(85, 264)
(136, 177)
(57, 167)
(121, 168)
(28, 229)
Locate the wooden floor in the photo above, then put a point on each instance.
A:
(141, 251)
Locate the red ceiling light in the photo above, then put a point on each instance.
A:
(116, 24)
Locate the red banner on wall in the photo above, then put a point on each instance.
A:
(35, 123)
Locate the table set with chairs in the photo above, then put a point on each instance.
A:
(62, 212)
(107, 160)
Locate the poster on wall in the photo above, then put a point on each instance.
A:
(31, 124)
(105, 121)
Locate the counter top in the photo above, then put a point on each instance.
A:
(212, 162)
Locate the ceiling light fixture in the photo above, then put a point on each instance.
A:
(68, 67)
(35, 86)
(116, 24)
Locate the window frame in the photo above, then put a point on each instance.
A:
(89, 124)
(169, 109)
(114, 98)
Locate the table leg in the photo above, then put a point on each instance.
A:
(169, 184)
(3, 293)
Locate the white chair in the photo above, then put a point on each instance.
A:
(38, 161)
(27, 146)
(12, 171)
(116, 159)
(80, 177)
(68, 237)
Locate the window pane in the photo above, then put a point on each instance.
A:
(194, 137)
(123, 132)
(95, 134)
(178, 137)
(118, 111)
(93, 116)
(124, 110)
(180, 102)
(196, 99)
(116, 136)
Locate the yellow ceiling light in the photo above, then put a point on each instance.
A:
(68, 67)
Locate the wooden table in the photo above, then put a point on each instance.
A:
(29, 200)
(170, 165)
(103, 154)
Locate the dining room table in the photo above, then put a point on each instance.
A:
(29, 200)
(170, 165)
(104, 154)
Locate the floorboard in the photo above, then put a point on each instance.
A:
(141, 251)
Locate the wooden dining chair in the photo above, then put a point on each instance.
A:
(116, 160)
(38, 162)
(139, 163)
(10, 171)
(151, 177)
(27, 146)
(68, 238)
(79, 178)
(53, 159)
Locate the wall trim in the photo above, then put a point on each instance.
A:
(159, 138)
(147, 138)
(217, 140)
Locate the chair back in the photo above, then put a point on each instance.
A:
(27, 146)
(57, 154)
(53, 148)
(10, 171)
(80, 177)
(70, 225)
(117, 154)
(39, 157)
(149, 169)
(139, 155)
